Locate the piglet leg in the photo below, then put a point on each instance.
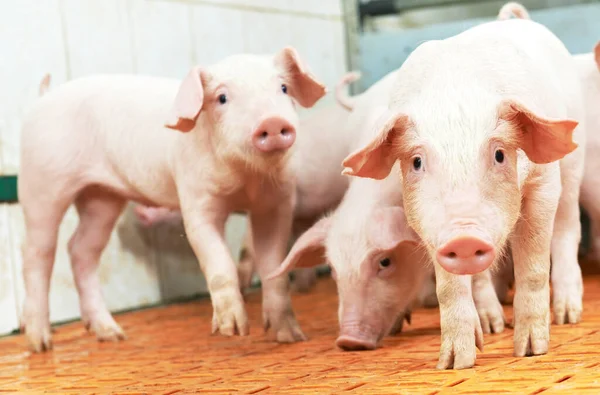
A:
(567, 283)
(204, 222)
(491, 314)
(461, 329)
(246, 263)
(98, 212)
(271, 230)
(530, 244)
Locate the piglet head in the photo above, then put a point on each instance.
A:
(461, 186)
(378, 272)
(244, 105)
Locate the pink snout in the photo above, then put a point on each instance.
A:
(274, 134)
(351, 343)
(466, 254)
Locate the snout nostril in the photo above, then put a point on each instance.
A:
(284, 132)
(452, 255)
(264, 134)
(479, 253)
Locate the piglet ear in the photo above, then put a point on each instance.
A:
(543, 140)
(389, 228)
(377, 158)
(302, 85)
(597, 54)
(308, 250)
(188, 101)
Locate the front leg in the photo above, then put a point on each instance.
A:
(530, 244)
(271, 230)
(461, 329)
(204, 222)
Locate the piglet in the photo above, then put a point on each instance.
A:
(375, 257)
(219, 141)
(323, 141)
(484, 125)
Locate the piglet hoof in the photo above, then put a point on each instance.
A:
(567, 305)
(460, 338)
(284, 325)
(39, 336)
(229, 314)
(37, 329)
(491, 314)
(531, 337)
(105, 328)
(304, 279)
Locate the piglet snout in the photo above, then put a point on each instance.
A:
(351, 343)
(466, 254)
(274, 134)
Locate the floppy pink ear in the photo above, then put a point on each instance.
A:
(302, 85)
(389, 228)
(543, 140)
(308, 250)
(597, 54)
(188, 101)
(377, 158)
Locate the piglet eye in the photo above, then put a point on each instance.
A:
(284, 88)
(499, 156)
(222, 98)
(385, 262)
(417, 163)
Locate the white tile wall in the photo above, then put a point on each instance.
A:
(72, 38)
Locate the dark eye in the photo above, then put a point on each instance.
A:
(385, 262)
(499, 156)
(284, 88)
(417, 163)
(222, 98)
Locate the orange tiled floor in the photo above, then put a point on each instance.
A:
(169, 351)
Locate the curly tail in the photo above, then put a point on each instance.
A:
(511, 9)
(44, 84)
(340, 94)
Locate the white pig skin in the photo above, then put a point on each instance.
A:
(505, 86)
(99, 141)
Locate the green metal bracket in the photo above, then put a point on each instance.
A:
(8, 189)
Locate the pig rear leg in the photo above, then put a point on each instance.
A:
(489, 309)
(98, 212)
(567, 284)
(42, 223)
(246, 261)
(271, 231)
